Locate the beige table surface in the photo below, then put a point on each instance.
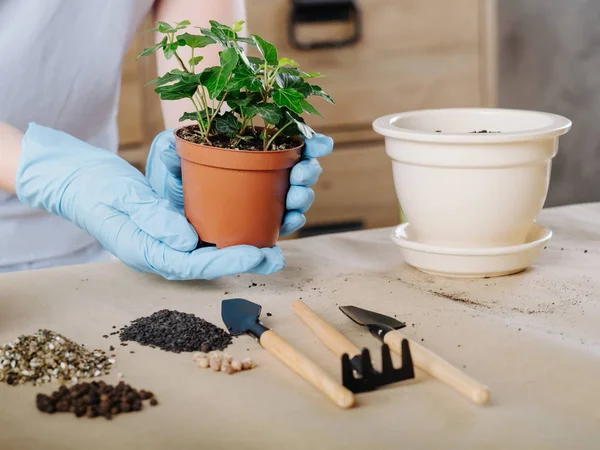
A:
(533, 338)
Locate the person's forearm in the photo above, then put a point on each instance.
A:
(198, 13)
(10, 151)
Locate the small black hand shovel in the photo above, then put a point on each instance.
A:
(241, 317)
(353, 360)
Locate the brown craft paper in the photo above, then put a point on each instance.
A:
(533, 338)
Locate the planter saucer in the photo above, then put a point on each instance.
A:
(470, 263)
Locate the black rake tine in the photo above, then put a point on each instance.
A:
(386, 360)
(407, 359)
(365, 363)
(347, 372)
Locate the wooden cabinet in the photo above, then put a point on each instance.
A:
(412, 54)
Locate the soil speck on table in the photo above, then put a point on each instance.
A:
(269, 314)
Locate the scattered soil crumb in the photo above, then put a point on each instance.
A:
(269, 314)
(458, 299)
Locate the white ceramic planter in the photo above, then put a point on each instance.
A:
(471, 190)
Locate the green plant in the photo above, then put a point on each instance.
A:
(270, 88)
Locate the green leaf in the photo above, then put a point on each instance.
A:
(170, 49)
(185, 88)
(227, 124)
(169, 77)
(150, 50)
(285, 80)
(243, 77)
(304, 129)
(195, 60)
(287, 62)
(270, 113)
(164, 27)
(290, 98)
(266, 49)
(237, 27)
(256, 61)
(247, 41)
(195, 40)
(223, 32)
(221, 39)
(215, 78)
(310, 109)
(181, 25)
(316, 90)
(312, 74)
(249, 110)
(290, 71)
(189, 116)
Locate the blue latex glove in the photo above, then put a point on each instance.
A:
(163, 170)
(110, 199)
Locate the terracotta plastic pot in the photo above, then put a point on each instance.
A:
(235, 197)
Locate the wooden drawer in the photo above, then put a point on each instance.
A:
(413, 54)
(356, 186)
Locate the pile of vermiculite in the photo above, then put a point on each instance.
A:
(48, 356)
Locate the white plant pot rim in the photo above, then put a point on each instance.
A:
(385, 125)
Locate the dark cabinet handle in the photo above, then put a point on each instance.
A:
(313, 11)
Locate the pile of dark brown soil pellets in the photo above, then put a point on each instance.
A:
(48, 356)
(177, 332)
(96, 399)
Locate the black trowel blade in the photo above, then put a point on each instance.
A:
(241, 316)
(376, 322)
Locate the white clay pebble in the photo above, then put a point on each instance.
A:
(215, 365)
(200, 355)
(221, 362)
(247, 364)
(203, 363)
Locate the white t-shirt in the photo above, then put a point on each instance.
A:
(60, 66)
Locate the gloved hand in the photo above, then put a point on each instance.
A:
(111, 200)
(163, 170)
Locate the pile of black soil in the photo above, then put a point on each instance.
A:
(177, 332)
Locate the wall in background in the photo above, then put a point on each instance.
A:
(550, 60)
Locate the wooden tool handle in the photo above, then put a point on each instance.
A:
(331, 337)
(439, 368)
(307, 369)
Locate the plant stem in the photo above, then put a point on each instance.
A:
(181, 63)
(191, 65)
(200, 121)
(244, 124)
(277, 134)
(265, 137)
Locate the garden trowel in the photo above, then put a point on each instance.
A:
(387, 329)
(242, 317)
